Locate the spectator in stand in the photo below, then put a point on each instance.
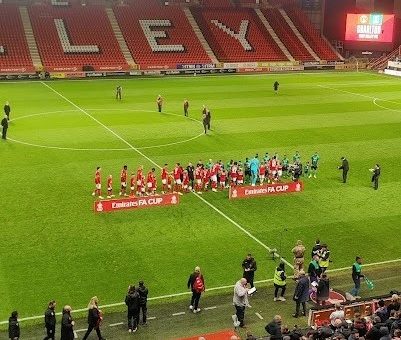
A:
(384, 333)
(67, 324)
(390, 319)
(274, 328)
(143, 301)
(323, 290)
(249, 266)
(396, 324)
(240, 300)
(394, 304)
(359, 324)
(196, 283)
(279, 281)
(338, 314)
(50, 320)
(374, 333)
(397, 334)
(381, 311)
(299, 258)
(301, 294)
(132, 302)
(94, 318)
(13, 326)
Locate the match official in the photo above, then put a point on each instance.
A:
(7, 110)
(375, 176)
(4, 124)
(345, 168)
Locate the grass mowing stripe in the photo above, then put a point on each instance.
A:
(36, 317)
(157, 165)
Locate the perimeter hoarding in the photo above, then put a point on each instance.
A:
(374, 27)
(135, 203)
(265, 190)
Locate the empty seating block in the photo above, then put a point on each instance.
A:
(14, 52)
(72, 37)
(286, 35)
(311, 34)
(237, 35)
(159, 36)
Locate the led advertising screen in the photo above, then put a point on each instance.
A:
(370, 27)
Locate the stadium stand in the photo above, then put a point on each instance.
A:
(68, 38)
(319, 45)
(159, 36)
(14, 52)
(237, 35)
(286, 35)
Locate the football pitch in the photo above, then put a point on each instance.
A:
(53, 246)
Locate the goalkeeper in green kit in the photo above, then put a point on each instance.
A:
(315, 160)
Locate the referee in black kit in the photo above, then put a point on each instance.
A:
(375, 176)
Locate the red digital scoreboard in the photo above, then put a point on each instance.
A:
(372, 27)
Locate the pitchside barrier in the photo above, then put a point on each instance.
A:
(178, 69)
(135, 203)
(366, 307)
(265, 190)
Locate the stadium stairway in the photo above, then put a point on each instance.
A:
(319, 45)
(200, 36)
(120, 38)
(298, 34)
(381, 62)
(273, 34)
(30, 38)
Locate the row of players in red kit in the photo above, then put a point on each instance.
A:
(179, 180)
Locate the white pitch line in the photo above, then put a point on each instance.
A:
(177, 314)
(241, 228)
(116, 324)
(151, 318)
(81, 330)
(358, 94)
(36, 317)
(210, 308)
(158, 166)
(383, 107)
(259, 316)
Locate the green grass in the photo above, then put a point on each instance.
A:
(54, 247)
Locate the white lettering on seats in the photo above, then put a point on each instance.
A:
(66, 44)
(59, 3)
(152, 36)
(240, 36)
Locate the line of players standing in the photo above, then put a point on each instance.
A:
(214, 175)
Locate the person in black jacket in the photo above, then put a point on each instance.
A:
(191, 171)
(375, 176)
(249, 266)
(323, 290)
(13, 326)
(94, 318)
(143, 300)
(7, 110)
(67, 324)
(4, 124)
(132, 301)
(274, 328)
(301, 294)
(345, 168)
(50, 320)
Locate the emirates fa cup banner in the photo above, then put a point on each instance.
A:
(135, 203)
(265, 190)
